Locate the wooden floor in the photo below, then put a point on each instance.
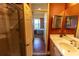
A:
(38, 45)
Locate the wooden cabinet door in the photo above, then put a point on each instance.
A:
(51, 48)
(56, 52)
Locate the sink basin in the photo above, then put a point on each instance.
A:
(67, 38)
(66, 47)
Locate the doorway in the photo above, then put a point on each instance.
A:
(39, 28)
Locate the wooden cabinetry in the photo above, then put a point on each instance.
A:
(56, 51)
(53, 50)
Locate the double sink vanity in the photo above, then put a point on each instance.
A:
(66, 45)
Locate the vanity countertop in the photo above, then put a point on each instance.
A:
(60, 42)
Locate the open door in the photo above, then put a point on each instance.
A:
(28, 29)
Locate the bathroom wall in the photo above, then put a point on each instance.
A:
(61, 9)
(73, 9)
(55, 9)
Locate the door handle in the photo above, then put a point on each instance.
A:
(27, 44)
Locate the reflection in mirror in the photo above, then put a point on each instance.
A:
(57, 21)
(71, 22)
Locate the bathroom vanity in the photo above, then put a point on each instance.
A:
(54, 50)
(63, 46)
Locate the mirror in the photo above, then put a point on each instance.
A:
(71, 21)
(57, 21)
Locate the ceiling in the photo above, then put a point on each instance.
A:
(39, 9)
(43, 6)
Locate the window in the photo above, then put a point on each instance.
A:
(36, 23)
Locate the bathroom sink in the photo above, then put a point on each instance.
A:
(67, 38)
(66, 47)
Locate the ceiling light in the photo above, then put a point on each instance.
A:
(39, 8)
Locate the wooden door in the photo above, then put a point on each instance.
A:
(28, 29)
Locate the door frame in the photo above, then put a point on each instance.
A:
(27, 23)
(47, 29)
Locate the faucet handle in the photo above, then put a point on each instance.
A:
(73, 42)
